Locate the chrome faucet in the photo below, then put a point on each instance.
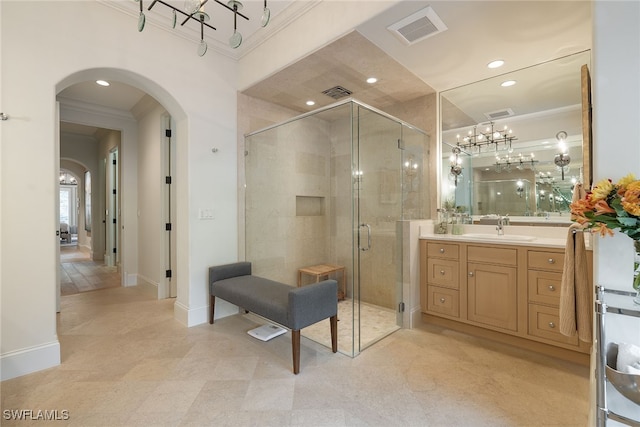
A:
(500, 227)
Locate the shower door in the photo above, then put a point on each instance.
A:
(377, 175)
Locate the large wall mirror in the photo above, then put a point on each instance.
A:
(517, 149)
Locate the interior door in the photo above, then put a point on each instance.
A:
(378, 208)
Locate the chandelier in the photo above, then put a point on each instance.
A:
(489, 137)
(194, 10)
(67, 179)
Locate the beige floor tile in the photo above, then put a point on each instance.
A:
(127, 362)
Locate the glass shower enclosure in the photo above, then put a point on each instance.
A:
(326, 192)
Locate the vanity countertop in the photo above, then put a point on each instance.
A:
(548, 237)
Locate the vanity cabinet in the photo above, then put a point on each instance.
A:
(510, 291)
(442, 279)
(492, 287)
(544, 277)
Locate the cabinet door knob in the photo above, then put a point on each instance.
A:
(441, 250)
(551, 261)
(471, 274)
(442, 300)
(552, 325)
(442, 272)
(552, 288)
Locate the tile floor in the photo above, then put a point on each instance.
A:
(127, 362)
(78, 273)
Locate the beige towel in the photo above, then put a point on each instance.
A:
(578, 193)
(575, 289)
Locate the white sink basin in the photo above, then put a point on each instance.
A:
(499, 238)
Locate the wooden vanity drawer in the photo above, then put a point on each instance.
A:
(492, 255)
(443, 272)
(544, 287)
(544, 322)
(552, 261)
(443, 301)
(442, 250)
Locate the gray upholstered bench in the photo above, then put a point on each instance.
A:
(292, 307)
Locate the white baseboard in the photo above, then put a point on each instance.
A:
(25, 361)
(200, 315)
(130, 279)
(416, 317)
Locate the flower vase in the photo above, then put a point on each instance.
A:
(636, 271)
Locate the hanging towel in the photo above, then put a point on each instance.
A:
(578, 193)
(575, 289)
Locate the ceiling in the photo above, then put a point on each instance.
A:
(520, 32)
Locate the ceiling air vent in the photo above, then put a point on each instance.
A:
(418, 26)
(500, 114)
(337, 92)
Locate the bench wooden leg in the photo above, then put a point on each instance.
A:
(334, 333)
(212, 304)
(295, 345)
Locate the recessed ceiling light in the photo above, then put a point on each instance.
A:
(495, 64)
(508, 83)
(310, 103)
(372, 80)
(102, 82)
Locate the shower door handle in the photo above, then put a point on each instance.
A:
(368, 237)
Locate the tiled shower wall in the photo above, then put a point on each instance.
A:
(299, 211)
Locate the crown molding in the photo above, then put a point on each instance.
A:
(68, 105)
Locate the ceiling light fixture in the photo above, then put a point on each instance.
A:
(310, 103)
(194, 9)
(495, 64)
(508, 83)
(372, 80)
(103, 83)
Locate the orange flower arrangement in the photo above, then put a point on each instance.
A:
(609, 207)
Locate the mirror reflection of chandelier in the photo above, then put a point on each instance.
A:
(490, 137)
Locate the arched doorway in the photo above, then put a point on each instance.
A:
(136, 165)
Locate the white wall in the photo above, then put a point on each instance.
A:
(616, 152)
(199, 92)
(150, 185)
(616, 128)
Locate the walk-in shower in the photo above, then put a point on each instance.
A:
(328, 189)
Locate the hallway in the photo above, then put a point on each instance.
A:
(127, 362)
(78, 273)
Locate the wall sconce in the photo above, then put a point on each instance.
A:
(455, 169)
(519, 188)
(562, 159)
(357, 176)
(410, 166)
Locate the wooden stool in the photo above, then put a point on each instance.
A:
(322, 271)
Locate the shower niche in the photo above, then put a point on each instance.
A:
(331, 187)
